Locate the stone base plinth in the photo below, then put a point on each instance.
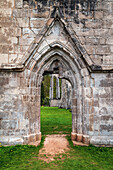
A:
(15, 140)
(102, 140)
(38, 136)
(85, 139)
(80, 138)
(95, 140)
(73, 136)
(32, 138)
(11, 140)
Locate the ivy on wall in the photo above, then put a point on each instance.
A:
(54, 87)
(45, 87)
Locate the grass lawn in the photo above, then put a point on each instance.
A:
(54, 121)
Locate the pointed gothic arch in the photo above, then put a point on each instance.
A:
(45, 50)
(74, 43)
(55, 41)
(72, 71)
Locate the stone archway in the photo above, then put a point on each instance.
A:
(53, 43)
(71, 71)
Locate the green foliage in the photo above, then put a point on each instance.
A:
(45, 101)
(46, 83)
(60, 84)
(45, 86)
(42, 93)
(54, 87)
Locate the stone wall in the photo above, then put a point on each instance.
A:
(100, 100)
(65, 101)
(21, 21)
(54, 102)
(77, 35)
(19, 108)
(66, 95)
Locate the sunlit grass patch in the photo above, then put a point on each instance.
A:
(55, 121)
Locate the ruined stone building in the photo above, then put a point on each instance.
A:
(72, 37)
(63, 98)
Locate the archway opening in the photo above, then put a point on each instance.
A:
(56, 104)
(60, 62)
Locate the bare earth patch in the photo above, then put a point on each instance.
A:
(54, 146)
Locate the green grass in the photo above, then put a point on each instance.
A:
(55, 121)
(78, 158)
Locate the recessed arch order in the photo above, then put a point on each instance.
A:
(72, 71)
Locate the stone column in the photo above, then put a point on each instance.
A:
(57, 88)
(51, 88)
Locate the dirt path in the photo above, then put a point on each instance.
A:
(54, 146)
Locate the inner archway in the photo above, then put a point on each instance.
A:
(56, 59)
(58, 64)
(56, 102)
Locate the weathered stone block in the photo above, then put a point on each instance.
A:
(15, 141)
(18, 13)
(3, 58)
(74, 102)
(18, 3)
(5, 49)
(108, 59)
(38, 137)
(13, 82)
(4, 81)
(102, 50)
(9, 124)
(79, 137)
(4, 140)
(6, 4)
(5, 12)
(23, 22)
(104, 92)
(12, 32)
(109, 41)
(25, 41)
(35, 30)
(37, 23)
(73, 136)
(88, 92)
(4, 115)
(99, 14)
(12, 58)
(85, 139)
